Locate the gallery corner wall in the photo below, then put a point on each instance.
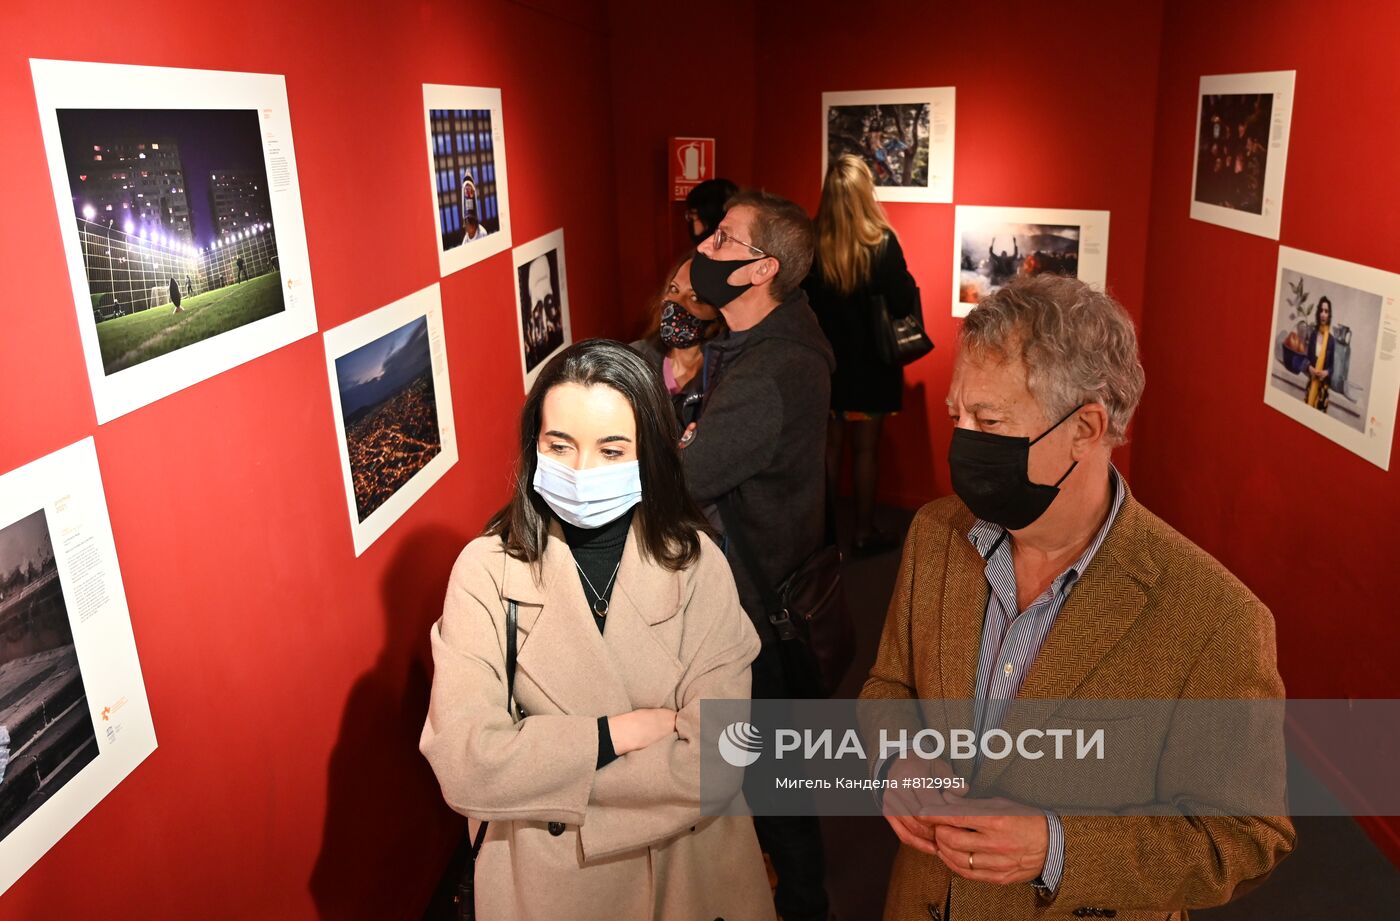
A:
(288, 679)
(1308, 525)
(1054, 110)
(677, 70)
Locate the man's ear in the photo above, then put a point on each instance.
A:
(1090, 427)
(765, 271)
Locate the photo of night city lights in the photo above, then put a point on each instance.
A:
(390, 411)
(393, 409)
(175, 225)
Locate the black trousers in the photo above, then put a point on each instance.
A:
(793, 843)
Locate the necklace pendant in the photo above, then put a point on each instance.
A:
(600, 607)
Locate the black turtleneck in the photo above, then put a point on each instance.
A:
(598, 552)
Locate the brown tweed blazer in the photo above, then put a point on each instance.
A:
(1152, 617)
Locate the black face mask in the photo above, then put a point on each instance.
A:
(989, 474)
(710, 278)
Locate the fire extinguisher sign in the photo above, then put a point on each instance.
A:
(692, 162)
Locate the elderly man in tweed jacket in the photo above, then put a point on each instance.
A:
(1043, 578)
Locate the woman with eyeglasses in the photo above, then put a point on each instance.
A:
(627, 617)
(858, 260)
(675, 342)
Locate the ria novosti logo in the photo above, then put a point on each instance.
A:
(740, 744)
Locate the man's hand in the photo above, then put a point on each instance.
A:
(998, 841)
(912, 798)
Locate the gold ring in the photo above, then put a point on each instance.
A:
(969, 862)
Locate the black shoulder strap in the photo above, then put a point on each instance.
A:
(512, 620)
(772, 604)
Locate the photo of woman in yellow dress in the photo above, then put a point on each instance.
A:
(1320, 354)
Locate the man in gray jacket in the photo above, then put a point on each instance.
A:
(760, 440)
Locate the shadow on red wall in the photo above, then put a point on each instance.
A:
(381, 795)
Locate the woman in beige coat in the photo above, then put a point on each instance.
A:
(627, 618)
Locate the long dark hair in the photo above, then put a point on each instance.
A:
(653, 331)
(1320, 302)
(668, 520)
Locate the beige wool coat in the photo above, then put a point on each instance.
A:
(567, 841)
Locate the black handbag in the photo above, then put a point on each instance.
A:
(808, 612)
(900, 340)
(460, 876)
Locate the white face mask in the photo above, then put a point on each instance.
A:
(588, 498)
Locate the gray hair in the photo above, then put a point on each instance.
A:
(1077, 343)
(782, 230)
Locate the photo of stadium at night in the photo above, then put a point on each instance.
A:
(389, 404)
(175, 226)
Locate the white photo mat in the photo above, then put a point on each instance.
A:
(521, 257)
(437, 96)
(67, 486)
(361, 331)
(76, 85)
(1370, 437)
(1278, 84)
(975, 220)
(941, 101)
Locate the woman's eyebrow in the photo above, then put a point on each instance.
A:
(555, 433)
(611, 438)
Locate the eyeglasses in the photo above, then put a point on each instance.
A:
(721, 239)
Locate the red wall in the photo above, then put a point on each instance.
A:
(1308, 525)
(676, 71)
(1054, 110)
(288, 680)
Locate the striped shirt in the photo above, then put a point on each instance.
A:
(1011, 638)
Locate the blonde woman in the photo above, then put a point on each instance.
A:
(858, 261)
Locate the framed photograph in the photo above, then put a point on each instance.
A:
(1242, 125)
(904, 136)
(542, 301)
(74, 718)
(1332, 351)
(393, 409)
(466, 173)
(991, 246)
(181, 220)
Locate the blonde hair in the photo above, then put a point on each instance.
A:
(850, 224)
